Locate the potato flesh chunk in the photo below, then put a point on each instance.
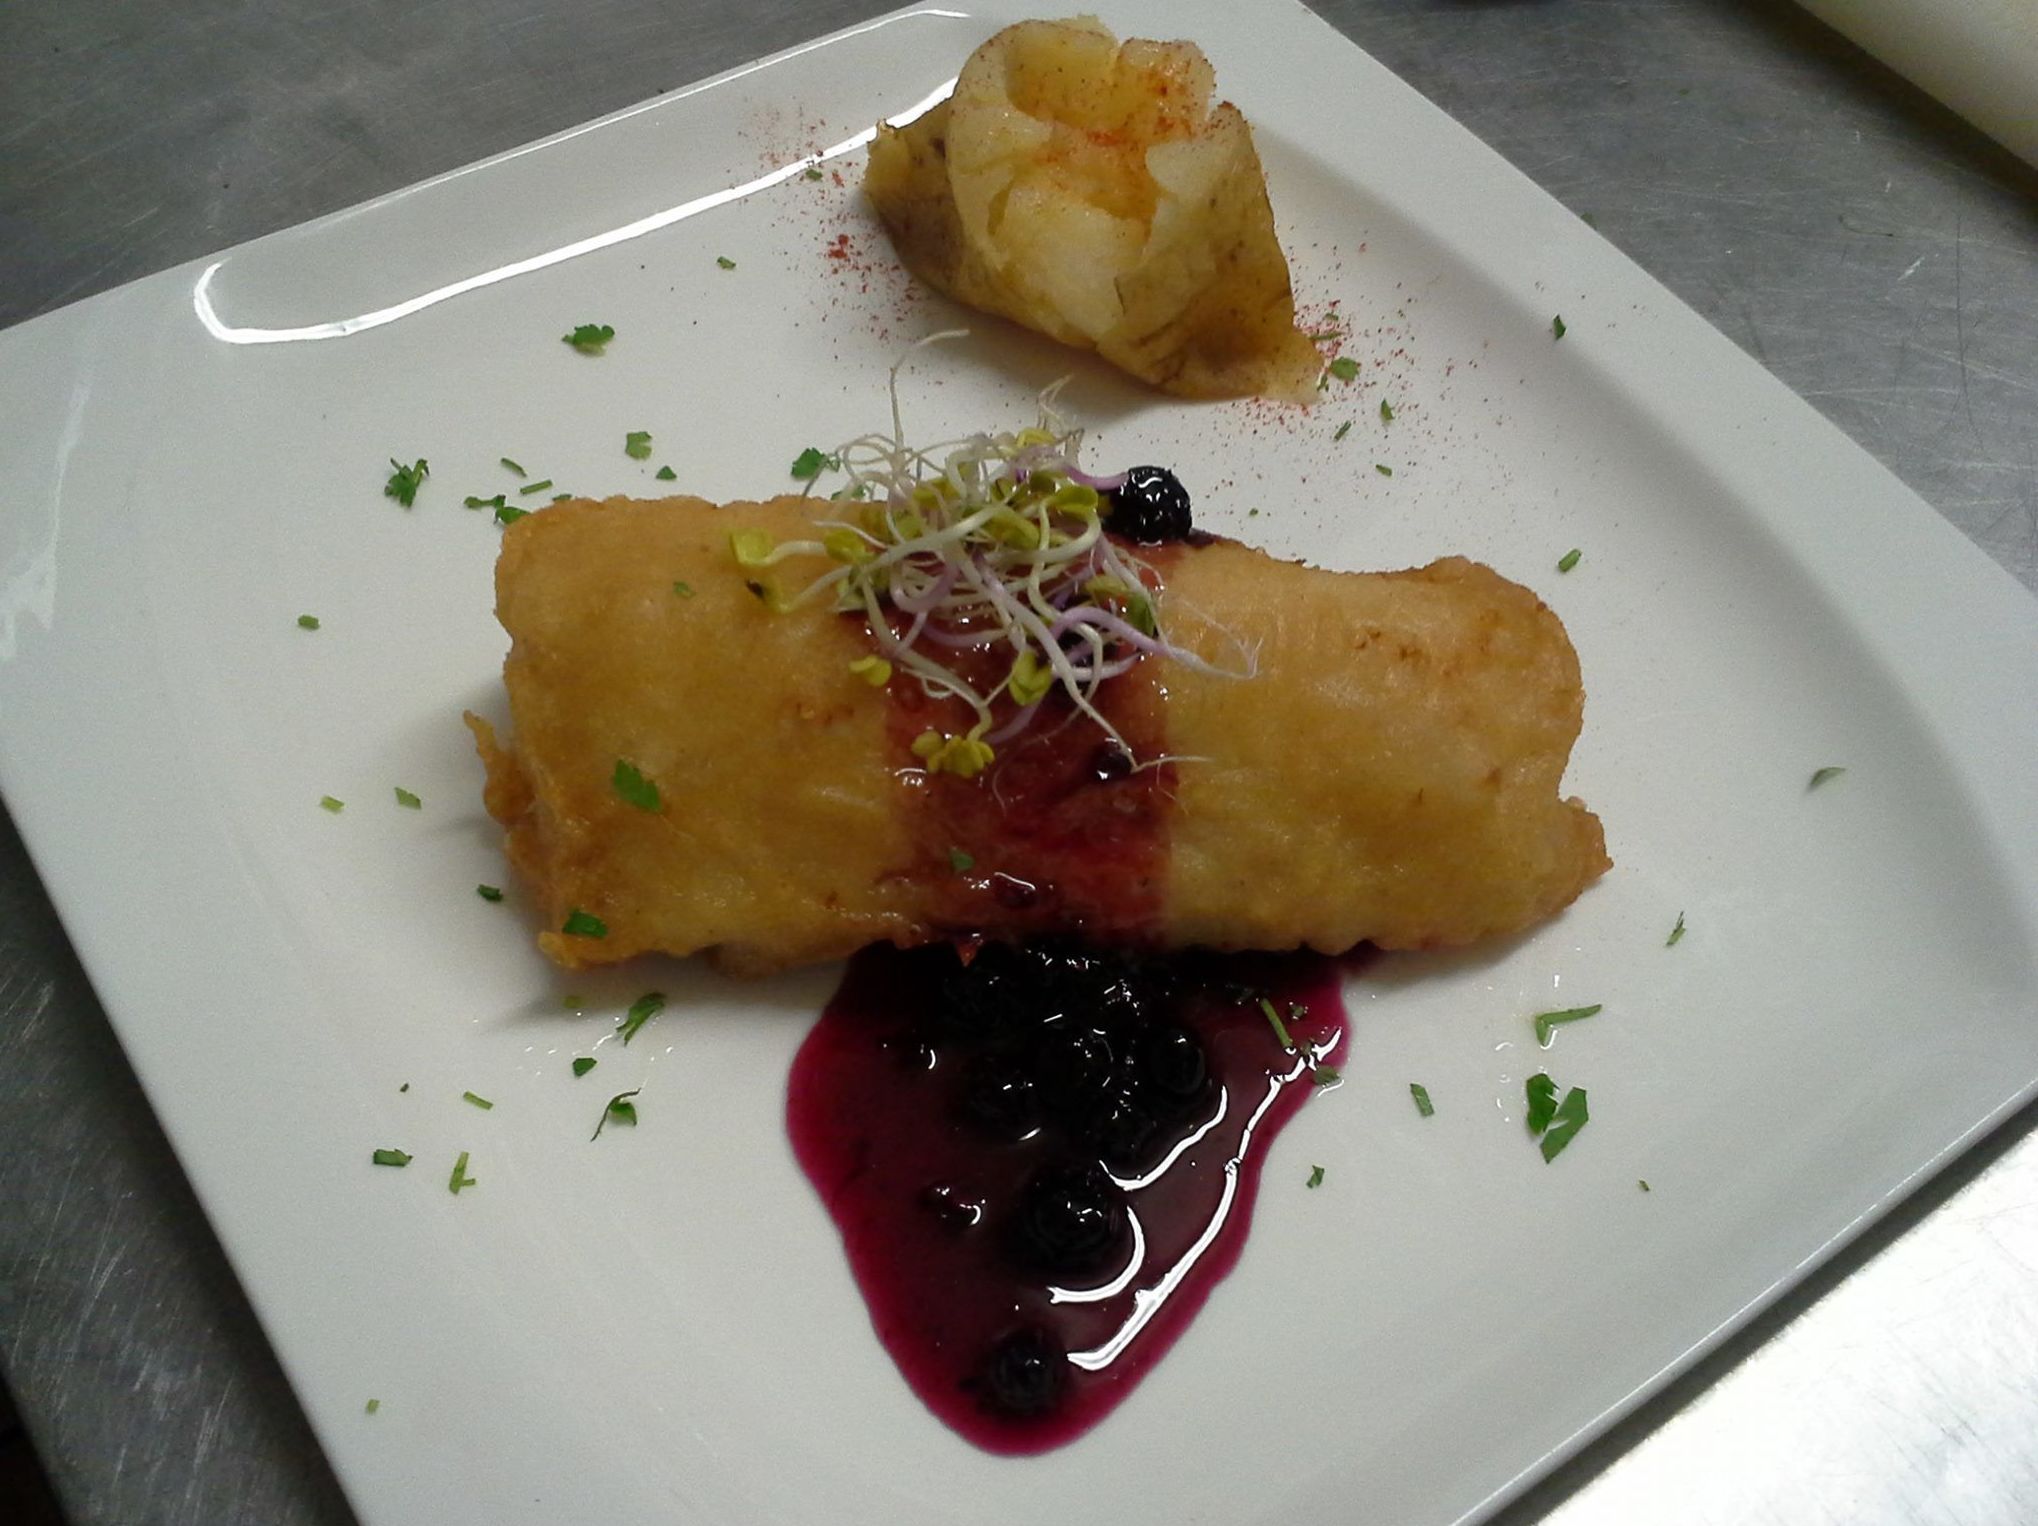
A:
(1091, 192)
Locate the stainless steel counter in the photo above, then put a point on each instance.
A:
(1864, 244)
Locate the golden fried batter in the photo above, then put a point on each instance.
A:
(1390, 774)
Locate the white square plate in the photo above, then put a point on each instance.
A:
(660, 1325)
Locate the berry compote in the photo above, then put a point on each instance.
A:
(1042, 1160)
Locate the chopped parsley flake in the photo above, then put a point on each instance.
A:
(1383, 469)
(1322, 336)
(1344, 368)
(509, 513)
(1342, 430)
(1326, 1075)
(637, 445)
(1315, 1177)
(642, 1010)
(1569, 559)
(1676, 933)
(811, 462)
(590, 338)
(621, 1109)
(684, 590)
(513, 466)
(1542, 1101)
(1547, 1022)
(534, 487)
(584, 924)
(725, 262)
(1421, 1095)
(390, 1158)
(631, 785)
(1642, 1182)
(404, 481)
(371, 1406)
(1820, 776)
(407, 800)
(498, 503)
(1557, 1122)
(1386, 411)
(1557, 327)
(960, 861)
(489, 892)
(561, 497)
(667, 474)
(460, 1178)
(307, 622)
(813, 172)
(328, 803)
(481, 1102)
(583, 1065)
(1571, 1117)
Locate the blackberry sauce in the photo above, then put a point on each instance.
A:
(1043, 1163)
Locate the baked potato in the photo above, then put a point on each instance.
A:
(1089, 189)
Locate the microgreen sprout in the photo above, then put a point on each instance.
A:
(993, 544)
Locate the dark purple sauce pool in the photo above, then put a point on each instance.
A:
(1042, 1164)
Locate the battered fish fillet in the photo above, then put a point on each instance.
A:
(1390, 774)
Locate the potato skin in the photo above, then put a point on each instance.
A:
(1090, 191)
(1390, 773)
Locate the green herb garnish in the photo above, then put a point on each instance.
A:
(1676, 932)
(460, 1178)
(1542, 1101)
(1547, 1022)
(1342, 430)
(590, 338)
(813, 172)
(509, 513)
(642, 1010)
(1383, 469)
(1281, 1035)
(960, 861)
(328, 803)
(307, 622)
(481, 1102)
(1421, 1095)
(620, 1108)
(1569, 559)
(513, 466)
(489, 892)
(498, 502)
(1325, 1075)
(637, 445)
(404, 481)
(1557, 327)
(1820, 776)
(631, 785)
(1570, 1118)
(1386, 411)
(583, 1065)
(371, 1406)
(1642, 1183)
(684, 590)
(1315, 1177)
(390, 1158)
(667, 474)
(584, 924)
(725, 262)
(407, 800)
(1344, 368)
(811, 462)
(534, 487)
